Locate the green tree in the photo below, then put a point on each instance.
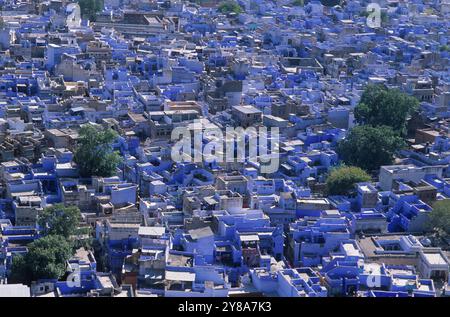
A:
(384, 17)
(60, 220)
(46, 259)
(94, 154)
(229, 7)
(330, 3)
(370, 147)
(445, 48)
(342, 180)
(89, 8)
(440, 217)
(298, 3)
(382, 106)
(83, 238)
(19, 271)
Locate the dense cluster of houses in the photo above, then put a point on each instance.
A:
(182, 229)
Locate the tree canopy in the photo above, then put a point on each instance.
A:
(89, 8)
(440, 217)
(229, 7)
(382, 106)
(342, 180)
(370, 147)
(94, 154)
(59, 220)
(330, 3)
(46, 259)
(298, 3)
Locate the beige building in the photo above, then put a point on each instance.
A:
(245, 116)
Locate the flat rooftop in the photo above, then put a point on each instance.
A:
(247, 109)
(435, 259)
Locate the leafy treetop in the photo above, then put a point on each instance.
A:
(440, 217)
(382, 106)
(370, 147)
(59, 220)
(46, 259)
(94, 154)
(342, 180)
(229, 7)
